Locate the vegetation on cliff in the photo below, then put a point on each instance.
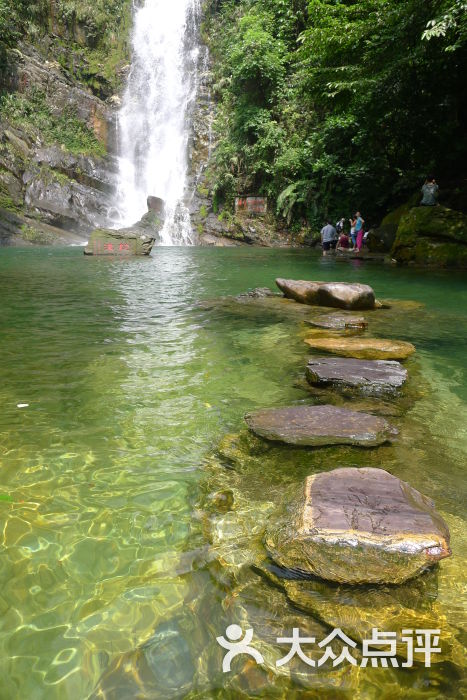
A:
(90, 39)
(327, 106)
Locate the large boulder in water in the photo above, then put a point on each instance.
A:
(435, 236)
(300, 290)
(364, 348)
(346, 296)
(341, 295)
(359, 526)
(135, 240)
(369, 377)
(123, 242)
(316, 426)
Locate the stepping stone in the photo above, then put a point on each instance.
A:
(341, 295)
(316, 426)
(359, 526)
(366, 376)
(364, 348)
(339, 322)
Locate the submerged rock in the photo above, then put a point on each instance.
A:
(320, 425)
(359, 526)
(357, 610)
(365, 376)
(257, 293)
(161, 668)
(341, 295)
(364, 348)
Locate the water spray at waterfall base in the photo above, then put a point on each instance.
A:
(154, 120)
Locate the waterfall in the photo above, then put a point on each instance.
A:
(154, 119)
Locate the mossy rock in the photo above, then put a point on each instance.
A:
(382, 238)
(36, 236)
(435, 236)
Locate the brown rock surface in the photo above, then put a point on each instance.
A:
(359, 526)
(364, 348)
(316, 426)
(341, 295)
(365, 376)
(346, 296)
(338, 321)
(300, 290)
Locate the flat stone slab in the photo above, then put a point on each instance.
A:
(364, 348)
(338, 322)
(341, 295)
(316, 426)
(366, 376)
(359, 526)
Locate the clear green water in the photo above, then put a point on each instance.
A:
(132, 382)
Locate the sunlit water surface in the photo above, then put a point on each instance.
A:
(131, 381)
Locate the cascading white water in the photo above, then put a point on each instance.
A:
(154, 120)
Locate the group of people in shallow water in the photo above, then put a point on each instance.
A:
(336, 238)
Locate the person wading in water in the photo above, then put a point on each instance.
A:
(328, 238)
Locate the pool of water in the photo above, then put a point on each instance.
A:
(116, 572)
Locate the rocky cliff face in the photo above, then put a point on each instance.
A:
(56, 177)
(58, 100)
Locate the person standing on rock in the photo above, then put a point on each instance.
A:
(359, 230)
(430, 192)
(353, 235)
(328, 237)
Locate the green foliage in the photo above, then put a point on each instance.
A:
(31, 113)
(33, 235)
(450, 23)
(327, 106)
(98, 33)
